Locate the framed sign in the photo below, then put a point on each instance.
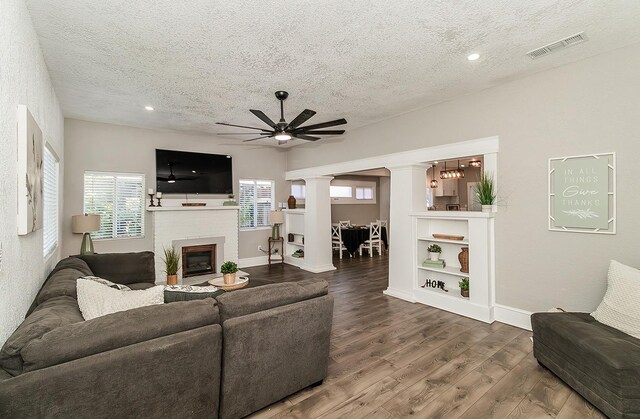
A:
(582, 193)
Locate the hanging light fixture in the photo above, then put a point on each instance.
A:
(434, 182)
(475, 163)
(457, 173)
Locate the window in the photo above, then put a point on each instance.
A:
(118, 198)
(364, 192)
(340, 191)
(256, 202)
(50, 202)
(297, 190)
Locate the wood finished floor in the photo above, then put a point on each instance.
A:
(394, 359)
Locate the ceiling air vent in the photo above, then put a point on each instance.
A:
(554, 46)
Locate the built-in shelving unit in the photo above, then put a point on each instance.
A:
(478, 231)
(293, 224)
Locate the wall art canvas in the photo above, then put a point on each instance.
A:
(582, 193)
(30, 181)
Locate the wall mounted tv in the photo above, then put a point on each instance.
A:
(182, 172)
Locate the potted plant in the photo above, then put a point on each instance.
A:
(230, 202)
(434, 251)
(464, 286)
(229, 270)
(171, 265)
(485, 192)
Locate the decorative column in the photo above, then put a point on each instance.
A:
(408, 194)
(317, 225)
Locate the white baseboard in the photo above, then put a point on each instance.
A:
(255, 261)
(318, 269)
(513, 316)
(407, 296)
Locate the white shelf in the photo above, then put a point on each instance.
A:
(453, 294)
(449, 270)
(431, 239)
(296, 244)
(294, 211)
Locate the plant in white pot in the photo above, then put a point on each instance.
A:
(434, 252)
(229, 270)
(485, 192)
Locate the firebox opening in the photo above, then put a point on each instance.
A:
(198, 260)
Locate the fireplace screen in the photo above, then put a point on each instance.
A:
(198, 260)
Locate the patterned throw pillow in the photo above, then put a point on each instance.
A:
(174, 293)
(620, 307)
(106, 282)
(96, 299)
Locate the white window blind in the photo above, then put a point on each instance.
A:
(50, 202)
(340, 191)
(297, 190)
(364, 192)
(256, 202)
(119, 200)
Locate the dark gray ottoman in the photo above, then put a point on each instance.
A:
(599, 362)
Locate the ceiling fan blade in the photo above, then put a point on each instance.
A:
(238, 126)
(305, 137)
(301, 119)
(328, 132)
(322, 125)
(253, 139)
(242, 133)
(263, 117)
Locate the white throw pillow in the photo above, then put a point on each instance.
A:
(620, 307)
(96, 299)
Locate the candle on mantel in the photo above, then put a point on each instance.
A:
(150, 191)
(159, 195)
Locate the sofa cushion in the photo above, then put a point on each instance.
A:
(117, 330)
(620, 307)
(105, 282)
(62, 283)
(242, 302)
(123, 268)
(173, 293)
(592, 347)
(96, 299)
(51, 314)
(140, 285)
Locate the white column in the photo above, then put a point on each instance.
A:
(408, 194)
(317, 225)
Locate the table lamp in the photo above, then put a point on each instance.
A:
(277, 218)
(84, 224)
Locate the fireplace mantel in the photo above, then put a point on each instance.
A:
(206, 208)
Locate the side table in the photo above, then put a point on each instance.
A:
(272, 245)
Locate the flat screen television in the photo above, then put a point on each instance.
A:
(182, 172)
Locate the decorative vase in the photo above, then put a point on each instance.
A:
(291, 202)
(229, 278)
(290, 237)
(434, 256)
(464, 293)
(172, 279)
(487, 208)
(463, 257)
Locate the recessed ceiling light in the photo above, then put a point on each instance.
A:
(473, 57)
(149, 108)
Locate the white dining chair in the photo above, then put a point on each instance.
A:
(374, 242)
(345, 224)
(383, 223)
(336, 239)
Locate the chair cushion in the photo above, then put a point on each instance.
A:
(607, 355)
(51, 314)
(620, 307)
(123, 268)
(251, 300)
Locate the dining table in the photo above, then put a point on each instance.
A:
(353, 237)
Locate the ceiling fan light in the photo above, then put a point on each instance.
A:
(171, 179)
(282, 136)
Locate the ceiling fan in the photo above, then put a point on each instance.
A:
(284, 131)
(172, 178)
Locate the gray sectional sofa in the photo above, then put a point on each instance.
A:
(599, 362)
(226, 357)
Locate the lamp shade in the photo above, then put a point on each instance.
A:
(277, 217)
(85, 223)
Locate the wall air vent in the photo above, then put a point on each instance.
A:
(554, 46)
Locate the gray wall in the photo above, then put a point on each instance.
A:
(357, 213)
(590, 106)
(23, 80)
(117, 148)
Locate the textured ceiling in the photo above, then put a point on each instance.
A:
(202, 61)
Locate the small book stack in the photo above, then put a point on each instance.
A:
(440, 263)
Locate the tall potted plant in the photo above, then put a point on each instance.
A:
(485, 192)
(171, 265)
(229, 270)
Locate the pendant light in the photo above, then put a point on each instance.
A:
(434, 182)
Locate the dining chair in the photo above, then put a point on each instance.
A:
(336, 238)
(383, 223)
(345, 224)
(374, 242)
